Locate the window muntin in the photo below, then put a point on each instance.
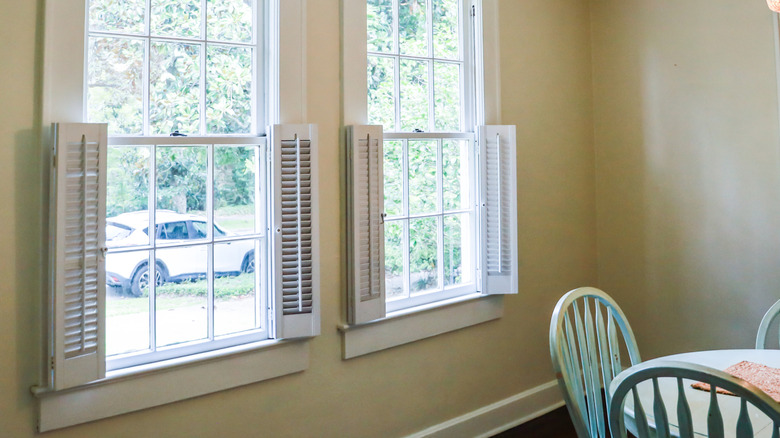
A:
(417, 65)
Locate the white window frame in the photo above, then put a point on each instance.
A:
(388, 330)
(136, 388)
(469, 118)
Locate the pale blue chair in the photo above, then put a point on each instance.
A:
(766, 322)
(590, 339)
(683, 427)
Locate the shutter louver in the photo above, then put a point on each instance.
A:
(295, 223)
(78, 194)
(498, 175)
(366, 228)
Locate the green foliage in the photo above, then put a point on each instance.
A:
(174, 88)
(128, 180)
(234, 177)
(114, 94)
(175, 18)
(181, 179)
(228, 90)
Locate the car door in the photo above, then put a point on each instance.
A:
(180, 261)
(228, 256)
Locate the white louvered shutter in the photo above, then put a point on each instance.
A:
(365, 224)
(78, 232)
(296, 266)
(498, 212)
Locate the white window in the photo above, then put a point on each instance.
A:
(432, 198)
(183, 228)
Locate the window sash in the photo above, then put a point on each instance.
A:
(211, 341)
(440, 292)
(466, 61)
(259, 96)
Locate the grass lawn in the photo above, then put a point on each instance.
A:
(184, 294)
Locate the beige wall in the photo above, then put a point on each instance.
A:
(687, 170)
(545, 91)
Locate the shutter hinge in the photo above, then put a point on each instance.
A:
(51, 362)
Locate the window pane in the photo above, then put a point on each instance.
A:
(412, 33)
(235, 288)
(181, 182)
(127, 305)
(414, 95)
(229, 90)
(445, 29)
(380, 25)
(182, 299)
(394, 176)
(423, 250)
(114, 84)
(394, 260)
(174, 88)
(457, 254)
(229, 20)
(117, 16)
(455, 166)
(447, 96)
(381, 92)
(127, 183)
(422, 177)
(235, 184)
(175, 18)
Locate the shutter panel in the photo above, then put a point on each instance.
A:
(365, 224)
(296, 266)
(498, 213)
(78, 233)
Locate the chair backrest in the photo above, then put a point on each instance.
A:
(683, 420)
(766, 322)
(589, 338)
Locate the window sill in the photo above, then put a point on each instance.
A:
(409, 325)
(165, 382)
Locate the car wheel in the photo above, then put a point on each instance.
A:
(140, 282)
(248, 265)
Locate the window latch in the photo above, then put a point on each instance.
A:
(418, 130)
(176, 133)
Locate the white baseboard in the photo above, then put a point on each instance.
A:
(499, 416)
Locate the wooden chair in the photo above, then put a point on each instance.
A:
(763, 329)
(589, 336)
(660, 425)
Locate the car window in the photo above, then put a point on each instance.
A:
(200, 230)
(115, 231)
(172, 230)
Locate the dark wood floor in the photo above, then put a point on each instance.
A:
(555, 424)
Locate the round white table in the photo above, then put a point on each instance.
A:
(699, 400)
